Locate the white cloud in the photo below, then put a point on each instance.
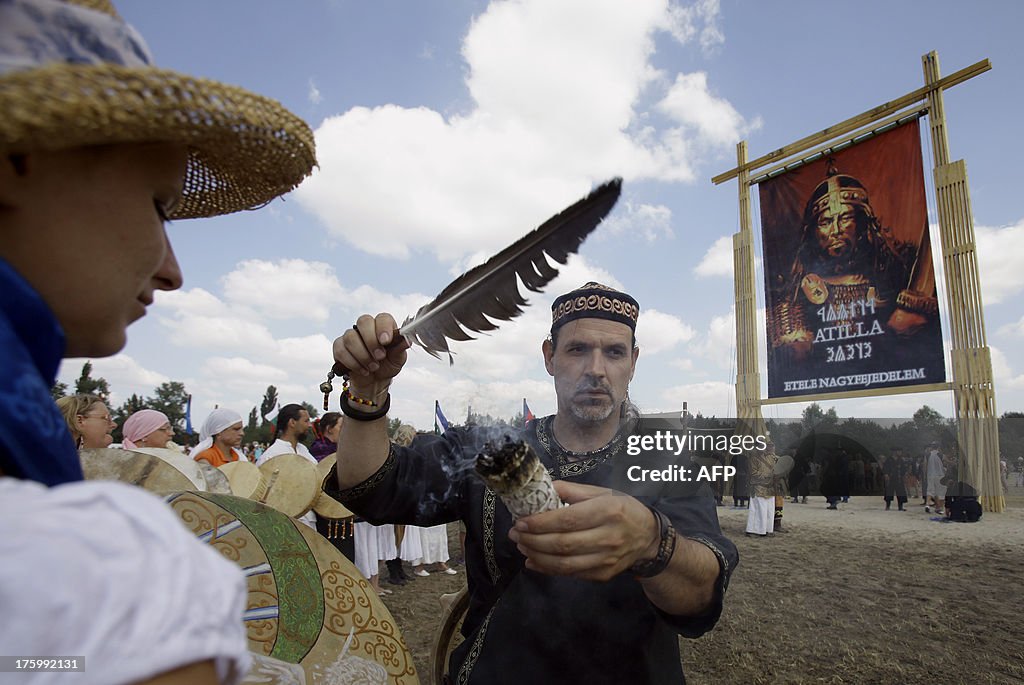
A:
(212, 333)
(658, 332)
(124, 375)
(559, 90)
(709, 398)
(699, 21)
(717, 261)
(1002, 372)
(314, 92)
(682, 363)
(999, 251)
(690, 102)
(1014, 329)
(718, 343)
(197, 301)
(648, 221)
(287, 289)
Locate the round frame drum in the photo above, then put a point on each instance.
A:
(304, 596)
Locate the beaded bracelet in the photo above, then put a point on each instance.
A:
(649, 568)
(346, 393)
(351, 413)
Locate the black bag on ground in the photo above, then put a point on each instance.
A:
(962, 503)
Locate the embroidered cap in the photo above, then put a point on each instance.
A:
(594, 301)
(73, 73)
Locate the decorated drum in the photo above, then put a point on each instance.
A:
(147, 471)
(188, 466)
(305, 598)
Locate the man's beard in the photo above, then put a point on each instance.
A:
(596, 412)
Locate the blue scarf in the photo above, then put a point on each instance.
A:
(35, 443)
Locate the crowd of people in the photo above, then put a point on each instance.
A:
(765, 481)
(99, 148)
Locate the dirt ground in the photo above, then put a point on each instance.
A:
(859, 595)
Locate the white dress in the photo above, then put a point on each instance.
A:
(386, 542)
(367, 549)
(411, 548)
(107, 571)
(434, 541)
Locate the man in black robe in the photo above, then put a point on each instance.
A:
(597, 591)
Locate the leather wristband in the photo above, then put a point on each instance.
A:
(357, 415)
(649, 568)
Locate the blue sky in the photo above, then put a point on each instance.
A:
(445, 130)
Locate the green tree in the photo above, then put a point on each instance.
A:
(869, 434)
(88, 385)
(269, 401)
(313, 412)
(930, 426)
(786, 434)
(475, 419)
(59, 390)
(815, 418)
(171, 399)
(927, 419)
(256, 430)
(1011, 436)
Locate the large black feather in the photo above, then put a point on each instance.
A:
(491, 290)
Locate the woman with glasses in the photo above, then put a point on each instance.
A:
(88, 420)
(146, 428)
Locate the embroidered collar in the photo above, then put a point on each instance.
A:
(569, 463)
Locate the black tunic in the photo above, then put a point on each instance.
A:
(523, 626)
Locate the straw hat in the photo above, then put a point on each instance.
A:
(73, 73)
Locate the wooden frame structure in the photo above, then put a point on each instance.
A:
(972, 384)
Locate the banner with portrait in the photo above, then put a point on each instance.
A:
(849, 284)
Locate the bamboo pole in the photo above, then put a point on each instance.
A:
(857, 135)
(973, 383)
(857, 121)
(748, 378)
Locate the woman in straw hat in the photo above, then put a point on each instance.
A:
(98, 149)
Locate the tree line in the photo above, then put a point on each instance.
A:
(874, 435)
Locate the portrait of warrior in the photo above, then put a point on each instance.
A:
(849, 265)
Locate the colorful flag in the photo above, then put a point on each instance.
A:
(527, 414)
(439, 418)
(188, 416)
(272, 416)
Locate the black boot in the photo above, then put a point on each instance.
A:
(401, 571)
(395, 571)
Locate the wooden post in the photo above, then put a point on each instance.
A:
(748, 379)
(973, 389)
